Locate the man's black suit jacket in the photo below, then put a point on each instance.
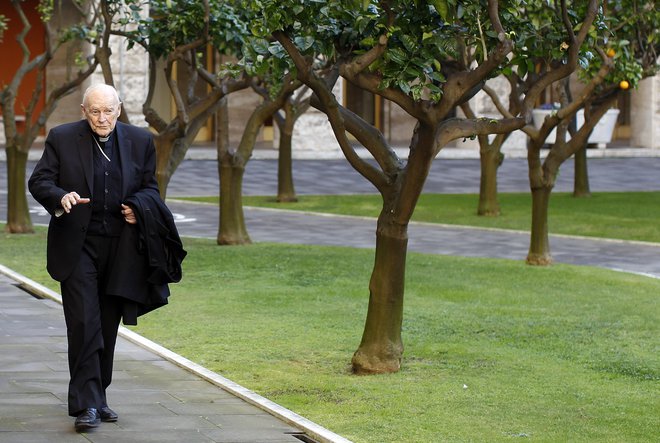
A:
(67, 165)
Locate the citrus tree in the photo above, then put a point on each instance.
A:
(407, 52)
(232, 162)
(411, 53)
(285, 118)
(545, 45)
(632, 41)
(613, 56)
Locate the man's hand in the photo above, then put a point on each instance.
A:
(71, 199)
(128, 214)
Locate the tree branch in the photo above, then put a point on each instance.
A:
(373, 140)
(460, 85)
(331, 109)
(461, 128)
(150, 114)
(361, 63)
(370, 82)
(494, 15)
(497, 102)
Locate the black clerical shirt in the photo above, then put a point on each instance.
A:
(107, 219)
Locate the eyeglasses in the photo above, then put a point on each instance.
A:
(96, 113)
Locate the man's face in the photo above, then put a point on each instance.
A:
(101, 110)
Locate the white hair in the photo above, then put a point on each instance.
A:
(106, 89)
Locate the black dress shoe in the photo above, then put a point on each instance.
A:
(108, 415)
(88, 419)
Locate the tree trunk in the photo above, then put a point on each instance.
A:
(164, 147)
(285, 188)
(491, 159)
(581, 177)
(18, 212)
(171, 147)
(381, 349)
(163, 175)
(539, 246)
(232, 229)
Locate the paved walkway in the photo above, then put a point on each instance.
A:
(158, 401)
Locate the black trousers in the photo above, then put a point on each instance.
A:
(92, 320)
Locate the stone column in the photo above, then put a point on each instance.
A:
(645, 114)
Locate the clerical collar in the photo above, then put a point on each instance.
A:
(102, 139)
(98, 140)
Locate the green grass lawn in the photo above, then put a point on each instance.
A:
(495, 350)
(626, 216)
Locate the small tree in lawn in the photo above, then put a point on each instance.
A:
(232, 229)
(490, 158)
(295, 106)
(602, 75)
(396, 50)
(538, 60)
(276, 90)
(58, 38)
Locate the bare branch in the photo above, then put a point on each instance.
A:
(586, 92)
(174, 90)
(150, 114)
(497, 102)
(373, 140)
(462, 128)
(494, 15)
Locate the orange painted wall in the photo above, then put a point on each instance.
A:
(11, 54)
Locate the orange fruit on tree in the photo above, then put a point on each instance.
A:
(623, 84)
(611, 52)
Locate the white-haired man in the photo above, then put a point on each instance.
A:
(87, 170)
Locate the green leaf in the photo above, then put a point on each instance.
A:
(442, 8)
(413, 72)
(404, 86)
(260, 46)
(397, 56)
(304, 43)
(409, 42)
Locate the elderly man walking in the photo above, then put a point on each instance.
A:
(89, 168)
